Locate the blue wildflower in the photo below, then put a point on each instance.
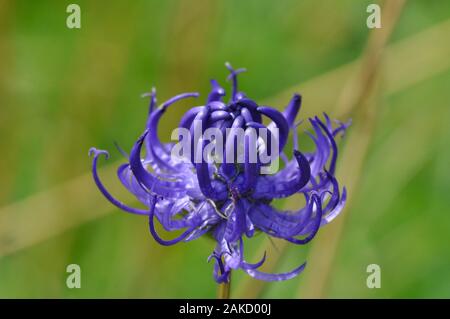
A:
(232, 200)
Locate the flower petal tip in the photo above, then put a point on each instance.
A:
(96, 152)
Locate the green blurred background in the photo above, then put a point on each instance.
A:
(64, 90)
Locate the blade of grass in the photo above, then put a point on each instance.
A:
(6, 64)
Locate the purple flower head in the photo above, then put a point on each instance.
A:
(232, 200)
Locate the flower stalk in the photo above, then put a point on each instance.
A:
(224, 289)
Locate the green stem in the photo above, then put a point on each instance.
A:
(223, 291)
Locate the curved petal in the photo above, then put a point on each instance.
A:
(219, 116)
(236, 223)
(252, 107)
(189, 116)
(335, 194)
(245, 265)
(153, 184)
(233, 77)
(247, 115)
(250, 169)
(199, 126)
(204, 179)
(292, 109)
(165, 216)
(277, 186)
(156, 116)
(275, 277)
(128, 180)
(279, 121)
(240, 96)
(315, 225)
(266, 140)
(102, 188)
(152, 103)
(280, 224)
(220, 274)
(216, 93)
(155, 235)
(217, 106)
(231, 145)
(336, 210)
(342, 127)
(322, 152)
(333, 146)
(154, 145)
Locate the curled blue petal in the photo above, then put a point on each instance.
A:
(278, 186)
(280, 122)
(152, 183)
(233, 78)
(217, 92)
(155, 235)
(204, 179)
(333, 145)
(250, 169)
(315, 225)
(103, 190)
(275, 277)
(189, 116)
(292, 109)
